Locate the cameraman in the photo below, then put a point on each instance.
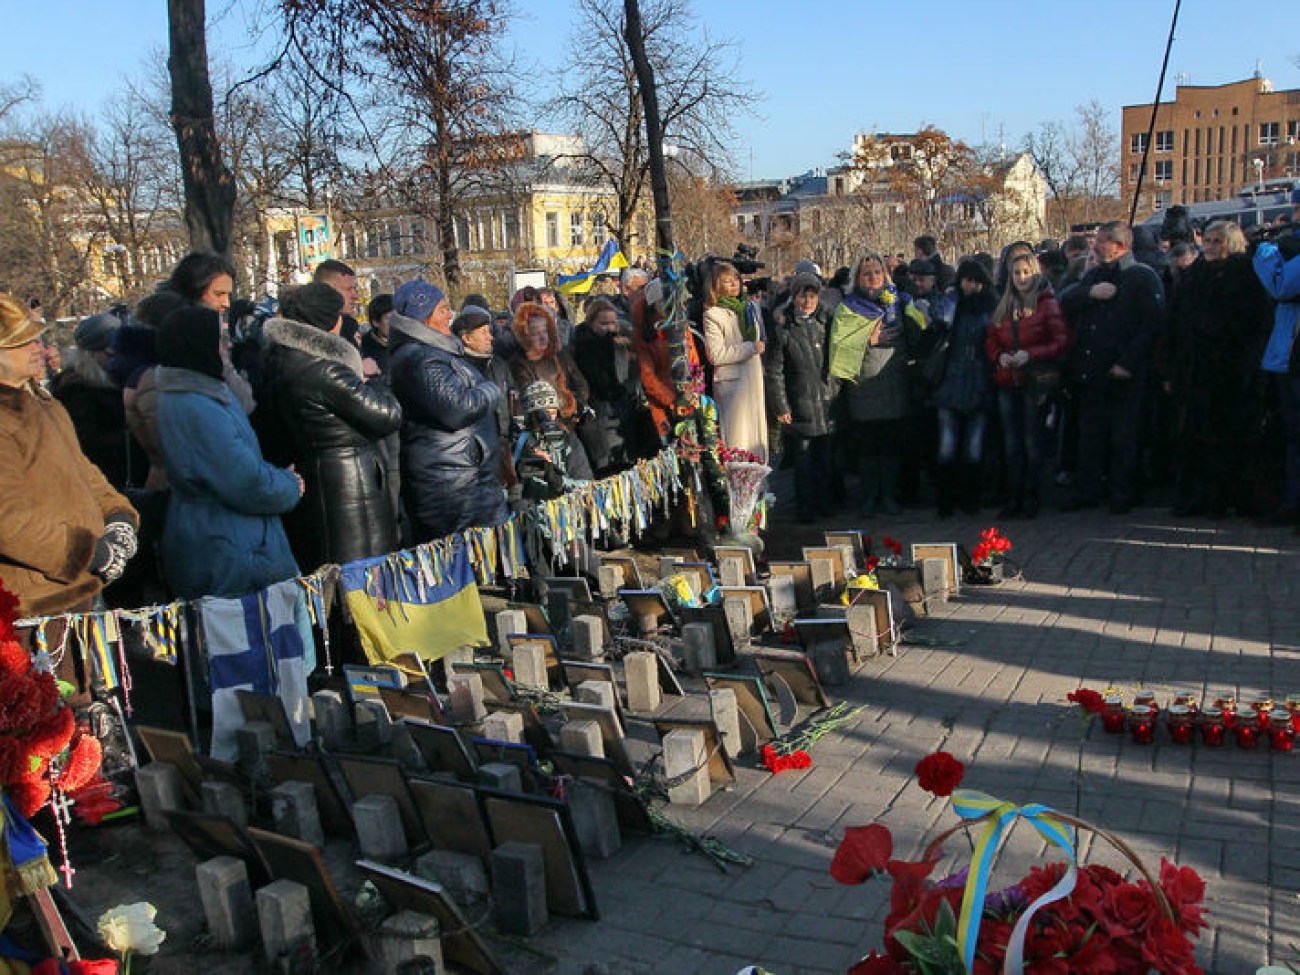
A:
(1277, 264)
(549, 460)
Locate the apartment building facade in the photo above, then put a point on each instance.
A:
(1211, 142)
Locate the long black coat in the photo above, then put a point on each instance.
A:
(450, 444)
(615, 401)
(1219, 321)
(794, 370)
(330, 421)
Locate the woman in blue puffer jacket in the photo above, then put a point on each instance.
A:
(223, 534)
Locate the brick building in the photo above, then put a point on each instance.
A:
(1211, 141)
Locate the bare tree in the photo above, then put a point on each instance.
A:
(702, 214)
(129, 177)
(1081, 166)
(445, 83)
(700, 97)
(209, 185)
(46, 243)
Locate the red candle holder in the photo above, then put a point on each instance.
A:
(1112, 715)
(1189, 701)
(1212, 727)
(1293, 708)
(1142, 723)
(1262, 708)
(1181, 723)
(1247, 734)
(1228, 705)
(1281, 734)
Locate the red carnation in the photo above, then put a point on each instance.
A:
(939, 773)
(1091, 701)
(863, 851)
(93, 802)
(898, 548)
(875, 964)
(887, 542)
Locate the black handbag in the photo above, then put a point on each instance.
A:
(935, 366)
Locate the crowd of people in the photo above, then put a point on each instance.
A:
(243, 444)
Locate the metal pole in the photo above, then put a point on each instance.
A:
(1155, 107)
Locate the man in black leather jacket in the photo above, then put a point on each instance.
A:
(450, 442)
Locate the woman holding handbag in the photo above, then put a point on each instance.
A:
(1026, 344)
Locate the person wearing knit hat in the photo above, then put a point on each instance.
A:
(540, 395)
(315, 304)
(549, 459)
(93, 399)
(473, 326)
(420, 300)
(451, 445)
(67, 533)
(325, 416)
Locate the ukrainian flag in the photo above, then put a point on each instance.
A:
(610, 259)
(424, 602)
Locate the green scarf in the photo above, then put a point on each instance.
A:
(741, 309)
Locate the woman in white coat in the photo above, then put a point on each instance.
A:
(734, 344)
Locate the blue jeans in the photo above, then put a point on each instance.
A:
(1022, 442)
(958, 428)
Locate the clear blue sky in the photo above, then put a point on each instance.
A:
(828, 69)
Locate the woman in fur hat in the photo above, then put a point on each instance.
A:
(541, 356)
(329, 420)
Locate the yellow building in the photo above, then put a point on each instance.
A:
(544, 212)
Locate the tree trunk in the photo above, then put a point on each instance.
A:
(209, 185)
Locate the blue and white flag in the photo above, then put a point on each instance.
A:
(261, 642)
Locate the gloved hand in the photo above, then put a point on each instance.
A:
(108, 561)
(1020, 359)
(121, 535)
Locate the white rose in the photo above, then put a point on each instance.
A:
(130, 927)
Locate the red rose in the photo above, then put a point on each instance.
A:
(939, 773)
(1103, 876)
(92, 803)
(1093, 955)
(800, 759)
(863, 851)
(1185, 890)
(887, 542)
(875, 964)
(1130, 909)
(96, 966)
(995, 935)
(1166, 949)
(1091, 701)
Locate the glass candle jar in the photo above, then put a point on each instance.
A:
(1112, 714)
(1247, 734)
(1147, 698)
(1293, 708)
(1181, 723)
(1262, 708)
(1228, 705)
(1142, 723)
(1281, 734)
(1212, 726)
(1189, 700)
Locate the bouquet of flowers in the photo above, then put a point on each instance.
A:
(747, 483)
(991, 544)
(1061, 918)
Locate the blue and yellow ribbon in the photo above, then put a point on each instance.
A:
(969, 804)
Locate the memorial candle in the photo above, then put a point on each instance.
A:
(1247, 734)
(1262, 708)
(1293, 708)
(1112, 714)
(1212, 727)
(1281, 735)
(1180, 720)
(1142, 723)
(1228, 706)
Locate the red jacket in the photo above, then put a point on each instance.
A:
(1043, 334)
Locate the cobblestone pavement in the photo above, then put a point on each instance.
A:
(1140, 600)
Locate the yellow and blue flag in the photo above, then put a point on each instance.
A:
(610, 259)
(424, 602)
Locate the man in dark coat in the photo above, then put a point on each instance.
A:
(450, 443)
(342, 279)
(1117, 310)
(333, 419)
(473, 326)
(801, 393)
(374, 344)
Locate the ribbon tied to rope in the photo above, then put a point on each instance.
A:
(969, 804)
